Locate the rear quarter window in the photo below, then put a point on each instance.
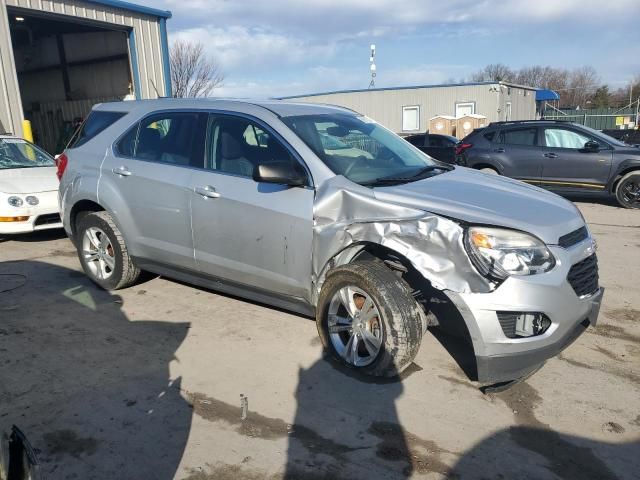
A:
(96, 122)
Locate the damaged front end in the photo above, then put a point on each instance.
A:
(514, 323)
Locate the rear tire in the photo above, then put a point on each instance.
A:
(628, 190)
(489, 170)
(368, 319)
(103, 253)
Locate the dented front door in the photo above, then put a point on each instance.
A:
(255, 234)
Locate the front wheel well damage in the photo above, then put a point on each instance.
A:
(438, 309)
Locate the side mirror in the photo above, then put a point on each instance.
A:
(592, 146)
(279, 172)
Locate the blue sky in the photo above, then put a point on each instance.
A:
(287, 47)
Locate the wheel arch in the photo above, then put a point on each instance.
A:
(80, 207)
(481, 165)
(436, 305)
(624, 169)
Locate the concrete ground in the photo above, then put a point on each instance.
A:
(147, 384)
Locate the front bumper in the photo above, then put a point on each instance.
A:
(44, 216)
(500, 358)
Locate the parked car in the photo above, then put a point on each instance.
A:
(559, 156)
(183, 188)
(28, 187)
(440, 147)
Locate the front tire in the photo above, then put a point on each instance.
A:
(628, 190)
(103, 253)
(368, 319)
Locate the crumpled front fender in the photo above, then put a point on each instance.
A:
(347, 216)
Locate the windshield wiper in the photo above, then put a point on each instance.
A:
(406, 179)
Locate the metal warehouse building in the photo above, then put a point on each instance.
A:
(60, 57)
(408, 110)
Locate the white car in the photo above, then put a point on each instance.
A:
(28, 187)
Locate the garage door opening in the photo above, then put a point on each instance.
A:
(64, 68)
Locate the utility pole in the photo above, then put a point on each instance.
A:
(372, 61)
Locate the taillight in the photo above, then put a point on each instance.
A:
(61, 162)
(461, 147)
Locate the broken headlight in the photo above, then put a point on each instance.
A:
(498, 252)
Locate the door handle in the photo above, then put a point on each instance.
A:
(551, 155)
(122, 171)
(207, 192)
(499, 150)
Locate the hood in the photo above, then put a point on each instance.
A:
(474, 197)
(28, 180)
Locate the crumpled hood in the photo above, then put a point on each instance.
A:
(28, 180)
(475, 197)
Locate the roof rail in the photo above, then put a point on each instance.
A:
(520, 122)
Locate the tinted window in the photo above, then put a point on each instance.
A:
(127, 144)
(171, 138)
(417, 140)
(96, 122)
(564, 138)
(436, 142)
(519, 136)
(237, 145)
(490, 136)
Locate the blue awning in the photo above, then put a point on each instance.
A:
(546, 95)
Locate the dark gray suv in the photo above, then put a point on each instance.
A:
(560, 156)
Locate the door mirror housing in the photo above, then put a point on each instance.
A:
(280, 173)
(592, 146)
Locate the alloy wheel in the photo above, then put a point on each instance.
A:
(630, 192)
(354, 326)
(98, 253)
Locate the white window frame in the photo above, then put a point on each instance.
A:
(407, 108)
(507, 112)
(466, 104)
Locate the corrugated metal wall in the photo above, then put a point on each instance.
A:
(385, 105)
(53, 123)
(148, 47)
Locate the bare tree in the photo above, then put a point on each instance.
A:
(193, 74)
(496, 72)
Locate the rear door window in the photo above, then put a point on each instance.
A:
(175, 138)
(96, 122)
(526, 137)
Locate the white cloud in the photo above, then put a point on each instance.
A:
(275, 47)
(253, 49)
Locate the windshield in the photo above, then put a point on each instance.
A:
(18, 153)
(605, 137)
(362, 150)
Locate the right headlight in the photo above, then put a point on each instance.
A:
(15, 201)
(499, 252)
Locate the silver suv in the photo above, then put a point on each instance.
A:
(323, 211)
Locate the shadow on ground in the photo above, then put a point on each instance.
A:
(90, 388)
(34, 237)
